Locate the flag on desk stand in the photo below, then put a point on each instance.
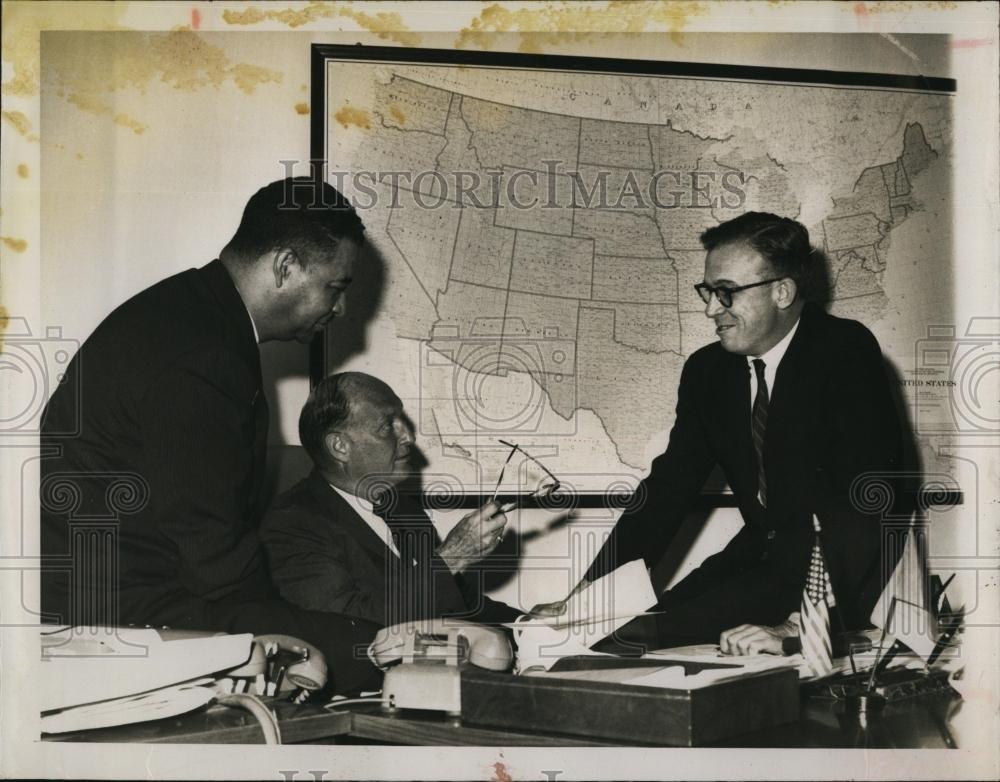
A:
(949, 622)
(902, 610)
(814, 616)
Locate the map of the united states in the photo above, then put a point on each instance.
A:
(565, 247)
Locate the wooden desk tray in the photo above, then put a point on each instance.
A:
(630, 713)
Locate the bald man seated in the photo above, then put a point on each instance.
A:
(347, 540)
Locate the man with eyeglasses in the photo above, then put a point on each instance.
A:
(348, 539)
(794, 405)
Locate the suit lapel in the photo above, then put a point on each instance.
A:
(736, 401)
(340, 512)
(793, 368)
(239, 327)
(240, 338)
(789, 398)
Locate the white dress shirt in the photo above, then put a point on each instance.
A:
(367, 512)
(771, 360)
(256, 334)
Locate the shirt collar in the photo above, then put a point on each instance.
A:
(353, 499)
(256, 334)
(773, 356)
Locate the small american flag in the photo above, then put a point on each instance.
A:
(814, 617)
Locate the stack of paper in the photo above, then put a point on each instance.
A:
(709, 653)
(98, 677)
(165, 702)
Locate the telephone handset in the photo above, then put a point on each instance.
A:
(448, 641)
(429, 656)
(285, 663)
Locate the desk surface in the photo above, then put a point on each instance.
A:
(917, 723)
(223, 725)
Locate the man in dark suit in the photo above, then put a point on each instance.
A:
(170, 452)
(794, 405)
(346, 539)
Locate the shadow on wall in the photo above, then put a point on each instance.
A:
(819, 289)
(346, 336)
(343, 338)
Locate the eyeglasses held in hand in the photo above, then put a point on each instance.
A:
(546, 486)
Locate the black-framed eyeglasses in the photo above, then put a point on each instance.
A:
(725, 294)
(544, 488)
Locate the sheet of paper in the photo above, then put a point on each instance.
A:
(540, 646)
(671, 677)
(668, 676)
(622, 593)
(709, 653)
(165, 702)
(606, 605)
(85, 665)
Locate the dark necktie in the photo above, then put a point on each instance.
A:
(758, 427)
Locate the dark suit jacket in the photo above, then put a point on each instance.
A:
(323, 556)
(168, 465)
(831, 418)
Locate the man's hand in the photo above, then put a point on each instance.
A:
(548, 610)
(558, 608)
(473, 538)
(756, 639)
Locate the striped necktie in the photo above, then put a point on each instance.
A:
(758, 427)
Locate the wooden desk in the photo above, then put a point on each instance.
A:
(374, 725)
(223, 725)
(917, 723)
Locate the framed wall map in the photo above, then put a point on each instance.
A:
(536, 220)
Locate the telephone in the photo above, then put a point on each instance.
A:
(285, 663)
(429, 656)
(448, 641)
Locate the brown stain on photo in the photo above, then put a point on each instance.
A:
(551, 24)
(387, 25)
(22, 170)
(348, 115)
(20, 123)
(181, 59)
(248, 77)
(397, 114)
(4, 320)
(862, 9)
(21, 36)
(500, 773)
(130, 122)
(17, 245)
(302, 108)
